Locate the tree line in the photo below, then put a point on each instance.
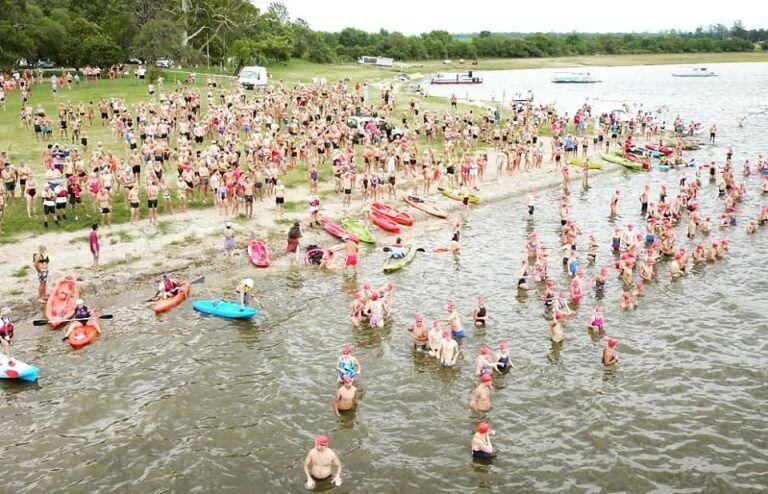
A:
(235, 32)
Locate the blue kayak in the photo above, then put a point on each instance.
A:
(222, 308)
(16, 369)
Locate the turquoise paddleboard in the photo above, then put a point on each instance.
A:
(222, 308)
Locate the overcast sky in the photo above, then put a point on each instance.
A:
(418, 16)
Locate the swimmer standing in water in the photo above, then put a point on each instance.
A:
(609, 354)
(479, 313)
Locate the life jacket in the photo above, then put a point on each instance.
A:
(6, 328)
(82, 313)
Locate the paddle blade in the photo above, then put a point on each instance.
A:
(199, 280)
(107, 316)
(420, 249)
(39, 322)
(386, 249)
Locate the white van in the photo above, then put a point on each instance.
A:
(251, 77)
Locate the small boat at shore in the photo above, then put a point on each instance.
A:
(455, 78)
(169, 303)
(694, 72)
(594, 164)
(574, 78)
(421, 204)
(618, 160)
(17, 370)
(84, 334)
(456, 195)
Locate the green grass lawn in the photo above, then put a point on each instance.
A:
(21, 142)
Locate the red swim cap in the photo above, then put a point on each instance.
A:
(483, 428)
(611, 342)
(346, 349)
(346, 379)
(321, 441)
(503, 344)
(486, 378)
(485, 350)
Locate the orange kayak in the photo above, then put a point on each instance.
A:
(61, 302)
(169, 303)
(83, 335)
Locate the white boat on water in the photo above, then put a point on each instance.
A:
(574, 78)
(455, 78)
(694, 72)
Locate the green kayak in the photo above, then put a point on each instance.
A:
(618, 160)
(593, 163)
(393, 264)
(354, 226)
(457, 195)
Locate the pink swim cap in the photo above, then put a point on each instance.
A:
(486, 378)
(321, 441)
(611, 342)
(485, 350)
(483, 428)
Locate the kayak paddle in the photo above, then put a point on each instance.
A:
(43, 322)
(197, 281)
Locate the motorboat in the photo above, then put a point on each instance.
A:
(455, 78)
(694, 72)
(574, 78)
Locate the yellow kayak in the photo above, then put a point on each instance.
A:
(593, 165)
(457, 195)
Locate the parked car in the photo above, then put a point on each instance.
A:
(136, 61)
(358, 125)
(45, 64)
(403, 77)
(165, 63)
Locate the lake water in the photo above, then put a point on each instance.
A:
(187, 403)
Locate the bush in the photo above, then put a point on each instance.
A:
(154, 73)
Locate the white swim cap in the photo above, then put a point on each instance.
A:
(79, 302)
(248, 282)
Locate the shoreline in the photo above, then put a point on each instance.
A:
(163, 252)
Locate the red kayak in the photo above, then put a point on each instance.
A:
(631, 157)
(83, 335)
(393, 214)
(335, 230)
(429, 208)
(258, 253)
(384, 222)
(169, 303)
(665, 150)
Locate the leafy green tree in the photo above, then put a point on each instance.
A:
(158, 39)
